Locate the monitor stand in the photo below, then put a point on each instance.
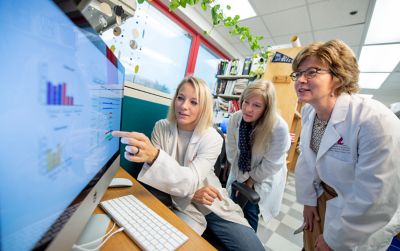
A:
(95, 228)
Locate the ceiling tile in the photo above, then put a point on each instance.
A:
(316, 1)
(397, 69)
(257, 28)
(289, 22)
(356, 50)
(395, 78)
(267, 42)
(204, 13)
(256, 25)
(305, 39)
(243, 49)
(351, 35)
(269, 6)
(224, 31)
(330, 14)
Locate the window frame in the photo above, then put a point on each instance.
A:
(197, 38)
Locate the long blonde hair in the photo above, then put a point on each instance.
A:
(204, 99)
(262, 133)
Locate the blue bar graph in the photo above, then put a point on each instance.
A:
(56, 94)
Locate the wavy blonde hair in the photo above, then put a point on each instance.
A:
(205, 103)
(340, 60)
(263, 131)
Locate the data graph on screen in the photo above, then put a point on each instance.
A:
(56, 94)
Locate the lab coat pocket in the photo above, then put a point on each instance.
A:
(338, 171)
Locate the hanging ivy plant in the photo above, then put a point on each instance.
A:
(218, 17)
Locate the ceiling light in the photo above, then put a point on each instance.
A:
(379, 58)
(372, 80)
(238, 7)
(384, 25)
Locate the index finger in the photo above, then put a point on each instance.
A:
(121, 134)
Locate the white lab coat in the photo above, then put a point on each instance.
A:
(183, 181)
(267, 169)
(358, 157)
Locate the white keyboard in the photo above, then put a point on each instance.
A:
(145, 227)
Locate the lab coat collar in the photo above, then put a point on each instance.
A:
(339, 113)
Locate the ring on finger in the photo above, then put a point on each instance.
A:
(138, 150)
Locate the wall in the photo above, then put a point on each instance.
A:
(142, 108)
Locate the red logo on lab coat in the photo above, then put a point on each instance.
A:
(340, 141)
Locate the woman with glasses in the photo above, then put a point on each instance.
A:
(348, 172)
(180, 159)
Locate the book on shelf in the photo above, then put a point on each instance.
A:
(246, 66)
(231, 87)
(240, 85)
(222, 104)
(223, 67)
(237, 67)
(234, 67)
(233, 106)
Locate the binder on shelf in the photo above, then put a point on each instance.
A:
(246, 66)
(222, 67)
(234, 67)
(240, 66)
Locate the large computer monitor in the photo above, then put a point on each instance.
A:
(61, 94)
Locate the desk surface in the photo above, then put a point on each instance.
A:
(122, 242)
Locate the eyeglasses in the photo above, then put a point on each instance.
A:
(308, 74)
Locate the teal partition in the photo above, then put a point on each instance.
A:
(139, 115)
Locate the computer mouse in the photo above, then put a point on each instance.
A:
(120, 182)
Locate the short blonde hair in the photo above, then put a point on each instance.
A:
(263, 131)
(340, 60)
(204, 99)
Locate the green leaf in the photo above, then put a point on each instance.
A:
(183, 3)
(228, 7)
(141, 1)
(214, 14)
(205, 33)
(174, 4)
(203, 5)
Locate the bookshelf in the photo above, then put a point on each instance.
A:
(227, 94)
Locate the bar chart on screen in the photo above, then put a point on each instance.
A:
(56, 94)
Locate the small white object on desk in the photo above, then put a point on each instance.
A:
(120, 182)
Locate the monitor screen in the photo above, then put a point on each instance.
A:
(61, 96)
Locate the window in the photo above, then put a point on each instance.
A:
(153, 49)
(206, 65)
